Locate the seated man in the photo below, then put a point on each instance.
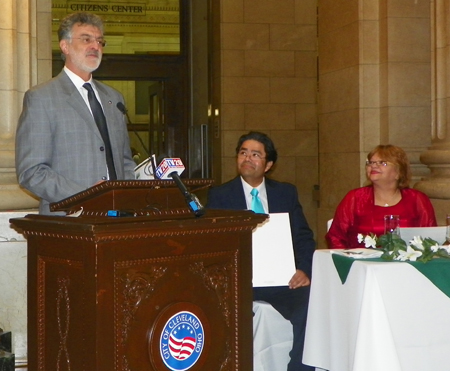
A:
(256, 155)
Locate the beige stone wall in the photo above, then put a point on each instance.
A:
(269, 84)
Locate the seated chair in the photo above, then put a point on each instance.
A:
(272, 338)
(329, 222)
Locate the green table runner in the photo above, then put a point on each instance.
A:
(436, 270)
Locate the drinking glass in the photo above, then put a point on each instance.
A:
(392, 224)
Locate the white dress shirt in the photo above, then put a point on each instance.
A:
(79, 82)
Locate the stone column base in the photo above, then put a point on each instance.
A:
(12, 197)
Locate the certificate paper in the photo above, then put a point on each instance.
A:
(273, 254)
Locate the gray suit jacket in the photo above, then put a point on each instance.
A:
(59, 150)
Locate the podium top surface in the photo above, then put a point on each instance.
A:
(137, 195)
(98, 227)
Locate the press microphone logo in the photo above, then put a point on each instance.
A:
(168, 166)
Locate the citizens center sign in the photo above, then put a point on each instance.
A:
(107, 8)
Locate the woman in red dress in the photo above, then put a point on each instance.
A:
(363, 209)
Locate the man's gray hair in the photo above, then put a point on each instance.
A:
(65, 28)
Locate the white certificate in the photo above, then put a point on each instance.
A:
(273, 254)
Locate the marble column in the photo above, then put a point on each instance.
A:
(22, 60)
(19, 65)
(437, 157)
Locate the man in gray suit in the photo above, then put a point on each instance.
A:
(60, 150)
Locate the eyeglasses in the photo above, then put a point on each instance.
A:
(251, 155)
(376, 163)
(87, 40)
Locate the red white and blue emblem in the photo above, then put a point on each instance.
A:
(182, 341)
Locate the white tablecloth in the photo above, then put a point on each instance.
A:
(386, 317)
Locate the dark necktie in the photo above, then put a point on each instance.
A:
(100, 120)
(257, 206)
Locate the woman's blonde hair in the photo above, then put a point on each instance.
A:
(398, 157)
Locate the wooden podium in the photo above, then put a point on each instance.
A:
(163, 290)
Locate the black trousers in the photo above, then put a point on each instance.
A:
(292, 305)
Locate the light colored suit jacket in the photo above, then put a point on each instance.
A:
(59, 150)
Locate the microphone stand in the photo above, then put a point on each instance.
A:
(122, 108)
(191, 199)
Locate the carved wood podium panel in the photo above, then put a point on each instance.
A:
(159, 292)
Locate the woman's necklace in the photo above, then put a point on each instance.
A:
(389, 201)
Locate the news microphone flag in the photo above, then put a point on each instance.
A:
(168, 166)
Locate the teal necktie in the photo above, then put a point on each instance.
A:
(257, 206)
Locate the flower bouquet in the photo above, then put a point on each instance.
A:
(394, 248)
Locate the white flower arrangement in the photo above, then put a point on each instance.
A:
(394, 248)
(369, 240)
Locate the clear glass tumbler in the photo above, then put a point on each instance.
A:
(392, 224)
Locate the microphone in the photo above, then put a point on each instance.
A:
(172, 168)
(122, 109)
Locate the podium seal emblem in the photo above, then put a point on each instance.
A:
(182, 341)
